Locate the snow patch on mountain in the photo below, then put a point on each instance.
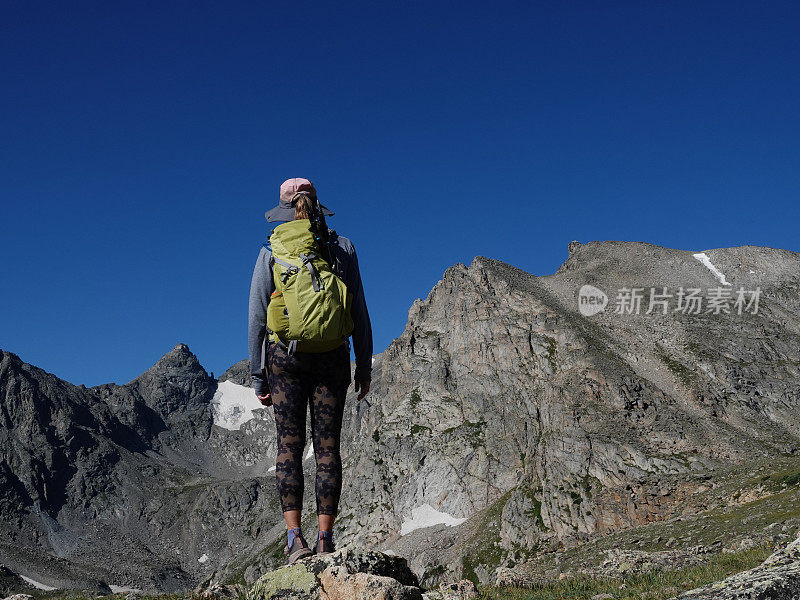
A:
(233, 405)
(427, 516)
(703, 258)
(39, 585)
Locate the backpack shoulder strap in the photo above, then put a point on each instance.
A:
(271, 261)
(267, 246)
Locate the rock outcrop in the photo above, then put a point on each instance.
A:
(238, 373)
(353, 574)
(347, 574)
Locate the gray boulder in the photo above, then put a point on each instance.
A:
(347, 574)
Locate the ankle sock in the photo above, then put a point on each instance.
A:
(291, 534)
(326, 535)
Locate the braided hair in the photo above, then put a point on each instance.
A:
(306, 206)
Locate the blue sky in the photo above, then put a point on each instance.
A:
(143, 141)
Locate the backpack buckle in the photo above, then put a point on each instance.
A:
(288, 273)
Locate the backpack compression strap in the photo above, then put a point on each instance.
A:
(292, 269)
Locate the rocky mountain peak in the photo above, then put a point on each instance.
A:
(238, 373)
(174, 396)
(179, 359)
(181, 348)
(463, 298)
(9, 356)
(176, 381)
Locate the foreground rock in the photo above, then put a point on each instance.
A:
(352, 574)
(345, 574)
(777, 578)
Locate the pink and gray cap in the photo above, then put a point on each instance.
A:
(289, 190)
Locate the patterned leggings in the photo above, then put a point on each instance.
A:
(294, 379)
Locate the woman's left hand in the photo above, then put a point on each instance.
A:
(265, 400)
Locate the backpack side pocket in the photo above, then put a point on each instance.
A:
(277, 317)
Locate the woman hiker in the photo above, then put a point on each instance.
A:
(306, 299)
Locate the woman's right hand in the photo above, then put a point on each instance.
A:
(362, 387)
(265, 400)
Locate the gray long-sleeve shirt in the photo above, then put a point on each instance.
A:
(262, 287)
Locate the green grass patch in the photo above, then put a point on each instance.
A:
(686, 375)
(792, 479)
(417, 429)
(476, 427)
(576, 497)
(657, 585)
(536, 512)
(552, 353)
(480, 549)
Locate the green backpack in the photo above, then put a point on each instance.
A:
(310, 308)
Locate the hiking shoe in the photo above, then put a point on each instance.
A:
(324, 546)
(298, 551)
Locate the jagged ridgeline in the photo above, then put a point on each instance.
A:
(502, 424)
